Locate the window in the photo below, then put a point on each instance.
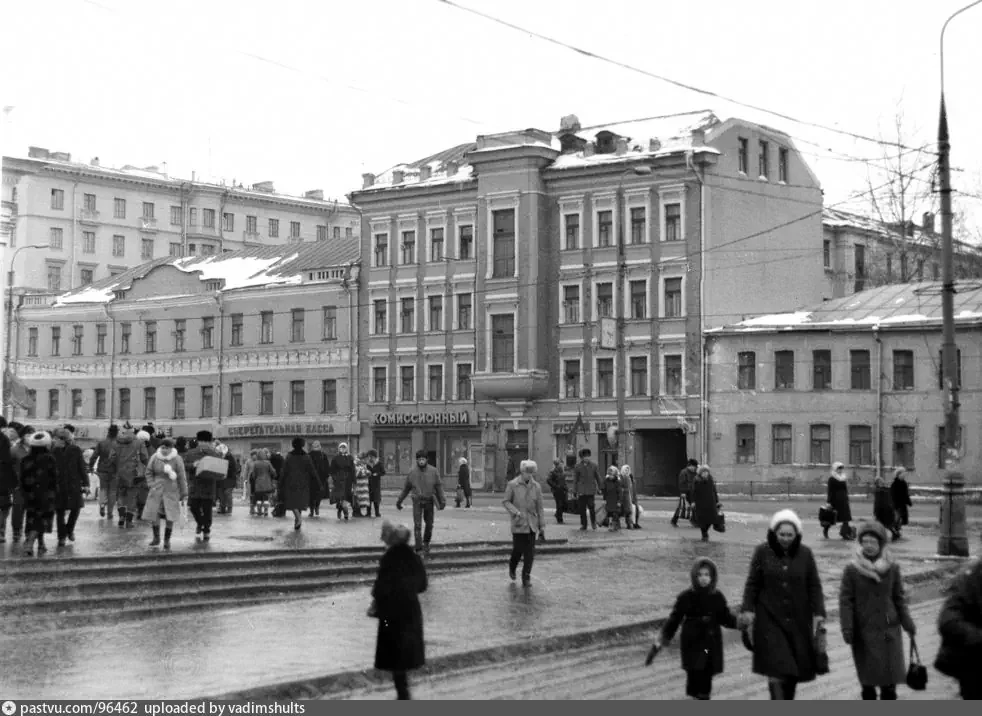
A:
(639, 299)
(673, 375)
(236, 329)
(349, 232)
(381, 317)
(207, 401)
(266, 327)
(296, 325)
(146, 249)
(821, 370)
(435, 382)
(148, 210)
(903, 447)
(32, 341)
(179, 405)
(192, 216)
(57, 199)
(322, 233)
(605, 300)
(85, 276)
(571, 304)
(746, 447)
(119, 208)
(407, 315)
(673, 298)
(827, 255)
(436, 244)
(859, 370)
(297, 397)
(673, 222)
(639, 226)
(149, 402)
(743, 151)
(119, 245)
(56, 239)
(380, 391)
(781, 444)
(958, 369)
(228, 222)
(860, 445)
(88, 242)
(762, 159)
(175, 248)
(336, 232)
(175, 216)
(330, 329)
(53, 403)
(32, 401)
(266, 398)
(782, 165)
(55, 340)
(77, 336)
(934, 270)
(747, 371)
(150, 329)
(329, 396)
(207, 333)
(235, 399)
(572, 232)
(860, 257)
(571, 379)
(890, 267)
(100, 402)
(941, 444)
(381, 249)
(784, 370)
(124, 337)
(436, 313)
(76, 403)
(294, 229)
(466, 251)
(408, 247)
(208, 218)
(463, 311)
(605, 377)
(88, 202)
(407, 383)
(180, 330)
(252, 225)
(821, 445)
(639, 375)
(503, 343)
(54, 277)
(274, 228)
(503, 247)
(903, 370)
(464, 381)
(605, 226)
(903, 267)
(124, 403)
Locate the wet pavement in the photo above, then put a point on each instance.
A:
(239, 648)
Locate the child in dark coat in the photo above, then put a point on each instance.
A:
(701, 611)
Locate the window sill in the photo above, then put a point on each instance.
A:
(328, 340)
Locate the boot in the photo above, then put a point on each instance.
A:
(41, 548)
(155, 542)
(122, 517)
(167, 533)
(129, 520)
(102, 510)
(29, 544)
(825, 531)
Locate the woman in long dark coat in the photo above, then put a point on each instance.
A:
(73, 478)
(375, 472)
(784, 606)
(39, 485)
(838, 498)
(464, 481)
(706, 500)
(900, 494)
(399, 646)
(298, 471)
(883, 510)
(343, 476)
(318, 487)
(872, 610)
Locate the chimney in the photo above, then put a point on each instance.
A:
(425, 173)
(95, 161)
(654, 145)
(588, 149)
(452, 168)
(317, 194)
(928, 222)
(570, 123)
(397, 176)
(367, 180)
(61, 156)
(698, 137)
(266, 186)
(37, 153)
(620, 146)
(163, 168)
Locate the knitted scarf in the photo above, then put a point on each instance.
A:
(874, 569)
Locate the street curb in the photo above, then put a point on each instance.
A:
(343, 682)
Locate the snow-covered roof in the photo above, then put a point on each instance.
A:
(908, 304)
(247, 268)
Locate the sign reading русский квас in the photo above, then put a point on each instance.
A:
(462, 417)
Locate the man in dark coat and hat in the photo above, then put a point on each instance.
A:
(201, 491)
(72, 480)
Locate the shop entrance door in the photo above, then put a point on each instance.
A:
(475, 459)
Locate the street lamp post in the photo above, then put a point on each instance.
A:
(7, 386)
(953, 540)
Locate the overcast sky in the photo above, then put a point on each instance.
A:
(334, 89)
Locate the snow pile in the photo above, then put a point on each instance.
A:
(86, 295)
(238, 271)
(777, 319)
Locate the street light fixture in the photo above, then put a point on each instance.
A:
(7, 387)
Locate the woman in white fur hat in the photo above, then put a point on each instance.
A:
(783, 606)
(168, 490)
(39, 484)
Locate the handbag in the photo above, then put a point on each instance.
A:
(826, 516)
(821, 651)
(916, 671)
(719, 524)
(460, 495)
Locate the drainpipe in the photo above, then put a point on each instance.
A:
(879, 401)
(221, 221)
(221, 351)
(112, 363)
(351, 288)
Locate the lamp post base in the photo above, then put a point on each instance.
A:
(953, 537)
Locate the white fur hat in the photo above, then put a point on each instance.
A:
(40, 439)
(788, 516)
(143, 435)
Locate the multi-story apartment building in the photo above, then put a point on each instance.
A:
(526, 292)
(855, 380)
(96, 222)
(256, 345)
(859, 253)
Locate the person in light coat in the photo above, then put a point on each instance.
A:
(168, 484)
(629, 498)
(523, 501)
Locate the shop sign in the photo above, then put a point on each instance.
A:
(263, 429)
(598, 426)
(462, 417)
